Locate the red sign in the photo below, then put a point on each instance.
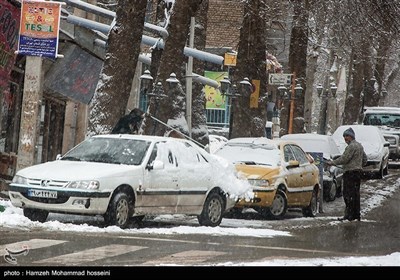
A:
(9, 25)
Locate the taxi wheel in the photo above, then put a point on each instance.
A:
(312, 209)
(118, 212)
(36, 214)
(279, 206)
(213, 210)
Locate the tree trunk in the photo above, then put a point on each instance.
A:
(199, 120)
(353, 102)
(171, 109)
(370, 95)
(298, 59)
(112, 94)
(249, 117)
(384, 45)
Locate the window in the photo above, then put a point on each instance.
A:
(288, 153)
(300, 155)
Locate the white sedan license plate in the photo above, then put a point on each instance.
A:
(42, 193)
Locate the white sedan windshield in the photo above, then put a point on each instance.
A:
(109, 150)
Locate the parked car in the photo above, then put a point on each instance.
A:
(216, 141)
(387, 119)
(121, 176)
(281, 174)
(317, 143)
(375, 146)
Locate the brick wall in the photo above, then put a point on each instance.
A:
(224, 21)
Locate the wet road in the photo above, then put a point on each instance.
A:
(377, 234)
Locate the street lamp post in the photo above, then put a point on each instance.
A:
(324, 96)
(291, 94)
(232, 92)
(155, 91)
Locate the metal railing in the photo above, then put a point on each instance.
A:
(215, 117)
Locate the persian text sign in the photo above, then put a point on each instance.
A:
(38, 34)
(278, 79)
(230, 59)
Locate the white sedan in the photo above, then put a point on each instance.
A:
(122, 176)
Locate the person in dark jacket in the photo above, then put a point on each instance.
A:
(352, 160)
(129, 124)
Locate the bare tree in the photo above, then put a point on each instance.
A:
(363, 30)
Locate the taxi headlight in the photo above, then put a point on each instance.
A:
(258, 182)
(88, 185)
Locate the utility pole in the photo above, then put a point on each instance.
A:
(30, 113)
(291, 109)
(189, 79)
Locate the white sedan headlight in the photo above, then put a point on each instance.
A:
(19, 180)
(258, 182)
(88, 185)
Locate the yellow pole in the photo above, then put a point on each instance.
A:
(291, 114)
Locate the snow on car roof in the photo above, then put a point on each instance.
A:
(369, 136)
(381, 110)
(312, 142)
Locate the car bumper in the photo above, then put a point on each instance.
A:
(230, 203)
(372, 166)
(70, 201)
(394, 152)
(262, 198)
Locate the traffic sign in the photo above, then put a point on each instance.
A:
(278, 79)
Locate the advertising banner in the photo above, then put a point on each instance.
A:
(40, 23)
(255, 95)
(214, 98)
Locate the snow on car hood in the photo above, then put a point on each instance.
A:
(74, 170)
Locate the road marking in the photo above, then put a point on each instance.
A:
(298, 250)
(185, 258)
(29, 244)
(168, 240)
(89, 255)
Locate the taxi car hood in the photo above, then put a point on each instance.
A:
(257, 171)
(73, 170)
